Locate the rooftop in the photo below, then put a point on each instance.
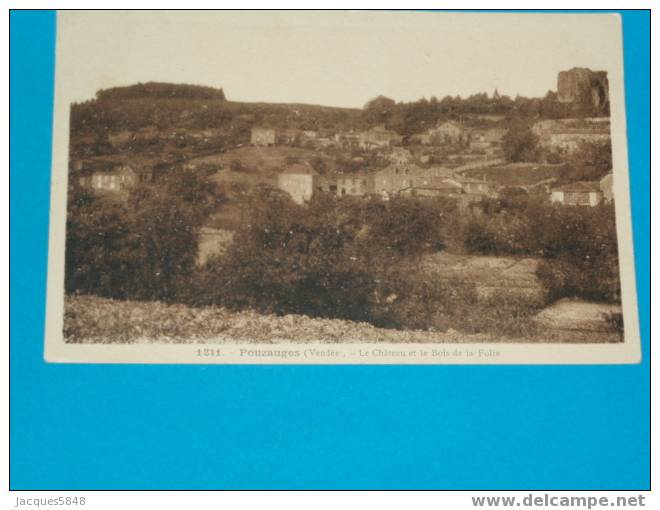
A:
(581, 186)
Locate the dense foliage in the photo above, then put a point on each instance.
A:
(140, 246)
(338, 259)
(577, 244)
(157, 90)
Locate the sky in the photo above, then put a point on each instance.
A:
(335, 58)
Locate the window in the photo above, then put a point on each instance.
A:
(576, 198)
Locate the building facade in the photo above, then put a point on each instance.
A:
(262, 137)
(299, 181)
(378, 138)
(582, 193)
(449, 132)
(117, 178)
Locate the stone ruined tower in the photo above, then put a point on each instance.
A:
(584, 88)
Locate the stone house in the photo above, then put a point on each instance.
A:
(583, 193)
(432, 187)
(395, 177)
(399, 155)
(607, 188)
(341, 185)
(568, 134)
(378, 138)
(449, 132)
(487, 141)
(111, 177)
(288, 137)
(348, 140)
(300, 181)
(473, 186)
(262, 137)
(410, 179)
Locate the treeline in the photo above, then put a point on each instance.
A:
(351, 259)
(413, 117)
(578, 245)
(171, 106)
(138, 248)
(155, 90)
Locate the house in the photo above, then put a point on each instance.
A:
(109, 176)
(448, 132)
(568, 134)
(300, 181)
(440, 171)
(395, 177)
(606, 187)
(355, 185)
(262, 137)
(288, 137)
(378, 138)
(432, 187)
(348, 140)
(399, 155)
(410, 179)
(584, 193)
(421, 139)
(473, 186)
(487, 141)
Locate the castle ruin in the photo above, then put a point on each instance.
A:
(586, 89)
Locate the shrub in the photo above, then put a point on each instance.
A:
(139, 247)
(407, 299)
(519, 143)
(340, 259)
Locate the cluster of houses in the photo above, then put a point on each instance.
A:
(484, 141)
(563, 134)
(568, 134)
(372, 139)
(301, 182)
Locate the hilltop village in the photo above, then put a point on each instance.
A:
(466, 155)
(485, 215)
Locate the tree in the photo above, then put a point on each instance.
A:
(591, 161)
(519, 143)
(139, 247)
(379, 110)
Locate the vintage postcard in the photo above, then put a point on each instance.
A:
(329, 187)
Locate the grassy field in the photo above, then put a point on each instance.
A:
(510, 275)
(90, 319)
(516, 174)
(260, 164)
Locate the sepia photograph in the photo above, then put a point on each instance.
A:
(340, 187)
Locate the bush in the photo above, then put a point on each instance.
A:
(578, 244)
(347, 259)
(407, 299)
(519, 143)
(139, 247)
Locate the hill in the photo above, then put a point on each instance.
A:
(156, 90)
